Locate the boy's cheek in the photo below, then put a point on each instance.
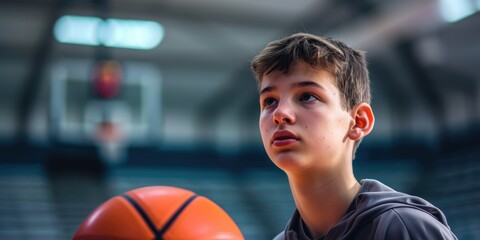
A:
(263, 126)
(262, 121)
(263, 133)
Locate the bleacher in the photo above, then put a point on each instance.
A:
(38, 201)
(36, 204)
(453, 185)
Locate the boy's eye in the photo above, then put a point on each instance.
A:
(307, 97)
(269, 102)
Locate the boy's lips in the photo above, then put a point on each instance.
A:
(283, 138)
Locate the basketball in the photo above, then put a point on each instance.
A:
(158, 212)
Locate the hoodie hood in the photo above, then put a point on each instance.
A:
(373, 199)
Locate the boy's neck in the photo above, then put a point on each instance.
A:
(323, 202)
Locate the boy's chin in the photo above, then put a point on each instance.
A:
(287, 160)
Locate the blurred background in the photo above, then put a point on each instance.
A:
(98, 97)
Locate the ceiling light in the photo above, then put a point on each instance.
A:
(119, 33)
(456, 10)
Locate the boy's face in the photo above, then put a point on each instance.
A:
(302, 122)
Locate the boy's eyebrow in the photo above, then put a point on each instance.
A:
(307, 84)
(295, 85)
(267, 89)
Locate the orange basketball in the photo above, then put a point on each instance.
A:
(158, 212)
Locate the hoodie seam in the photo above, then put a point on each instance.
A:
(403, 221)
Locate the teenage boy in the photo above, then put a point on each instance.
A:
(314, 111)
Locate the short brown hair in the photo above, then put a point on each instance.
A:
(346, 64)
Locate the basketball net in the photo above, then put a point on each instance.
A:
(111, 141)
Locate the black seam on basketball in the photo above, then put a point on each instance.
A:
(139, 209)
(174, 216)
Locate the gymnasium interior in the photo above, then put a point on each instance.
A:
(183, 108)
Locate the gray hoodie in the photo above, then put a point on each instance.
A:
(379, 212)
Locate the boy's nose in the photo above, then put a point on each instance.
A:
(283, 114)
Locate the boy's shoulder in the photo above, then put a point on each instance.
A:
(405, 222)
(393, 223)
(379, 212)
(389, 214)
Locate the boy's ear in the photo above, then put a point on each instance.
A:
(363, 121)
